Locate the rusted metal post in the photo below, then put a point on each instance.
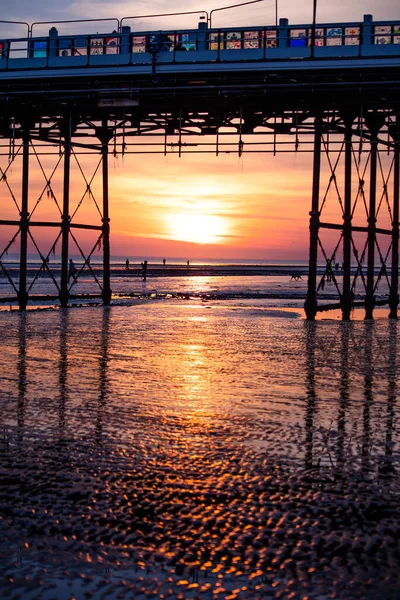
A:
(347, 217)
(65, 218)
(394, 282)
(24, 221)
(106, 293)
(370, 298)
(311, 304)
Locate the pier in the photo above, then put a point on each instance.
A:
(328, 89)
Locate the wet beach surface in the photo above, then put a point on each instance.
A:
(198, 450)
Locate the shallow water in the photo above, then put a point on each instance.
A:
(176, 449)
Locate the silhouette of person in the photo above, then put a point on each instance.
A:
(127, 264)
(144, 270)
(329, 270)
(163, 262)
(72, 270)
(187, 263)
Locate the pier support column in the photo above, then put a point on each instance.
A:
(347, 217)
(394, 283)
(65, 218)
(106, 293)
(311, 304)
(24, 221)
(370, 298)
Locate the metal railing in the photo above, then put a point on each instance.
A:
(122, 41)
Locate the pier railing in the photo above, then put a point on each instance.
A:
(117, 44)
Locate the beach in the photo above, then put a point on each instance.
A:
(218, 448)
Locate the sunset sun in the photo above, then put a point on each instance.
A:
(200, 229)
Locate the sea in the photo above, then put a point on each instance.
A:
(282, 282)
(198, 439)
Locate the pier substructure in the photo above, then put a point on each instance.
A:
(354, 151)
(24, 220)
(358, 256)
(394, 283)
(65, 217)
(105, 136)
(373, 124)
(39, 139)
(311, 305)
(347, 295)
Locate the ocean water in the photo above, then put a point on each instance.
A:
(216, 279)
(198, 448)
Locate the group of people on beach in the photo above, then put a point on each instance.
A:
(144, 266)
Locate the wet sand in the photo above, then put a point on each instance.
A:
(191, 450)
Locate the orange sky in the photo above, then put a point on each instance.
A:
(197, 206)
(194, 206)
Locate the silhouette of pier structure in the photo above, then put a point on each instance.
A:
(328, 89)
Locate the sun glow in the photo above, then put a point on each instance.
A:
(200, 229)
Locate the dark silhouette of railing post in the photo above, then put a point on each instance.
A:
(104, 137)
(373, 126)
(311, 304)
(347, 218)
(65, 218)
(394, 283)
(24, 220)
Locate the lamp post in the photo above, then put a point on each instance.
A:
(314, 21)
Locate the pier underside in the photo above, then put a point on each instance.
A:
(347, 117)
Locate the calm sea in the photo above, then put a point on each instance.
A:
(236, 278)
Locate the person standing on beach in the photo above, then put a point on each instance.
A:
(72, 270)
(329, 270)
(127, 264)
(187, 263)
(144, 270)
(163, 262)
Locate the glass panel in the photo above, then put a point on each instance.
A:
(383, 39)
(396, 39)
(298, 38)
(382, 34)
(252, 39)
(187, 44)
(352, 36)
(233, 40)
(334, 36)
(271, 38)
(112, 44)
(80, 51)
(213, 41)
(139, 43)
(170, 41)
(319, 36)
(97, 46)
(65, 52)
(39, 49)
(382, 30)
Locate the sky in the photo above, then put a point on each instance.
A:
(198, 206)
